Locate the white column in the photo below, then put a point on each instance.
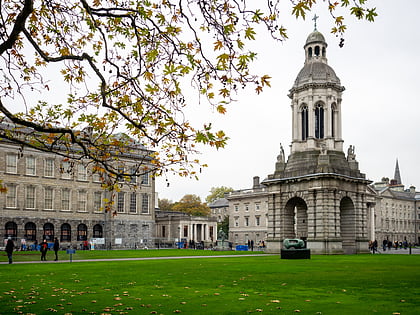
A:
(372, 222)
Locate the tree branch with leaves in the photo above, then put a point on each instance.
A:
(77, 75)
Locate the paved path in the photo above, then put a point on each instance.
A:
(138, 258)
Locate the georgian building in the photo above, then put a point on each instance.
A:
(396, 212)
(173, 227)
(47, 197)
(248, 219)
(219, 209)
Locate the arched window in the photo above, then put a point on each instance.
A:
(97, 231)
(10, 230)
(82, 232)
(65, 235)
(304, 122)
(48, 232)
(30, 231)
(317, 51)
(310, 52)
(319, 121)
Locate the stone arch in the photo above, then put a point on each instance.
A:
(348, 225)
(296, 219)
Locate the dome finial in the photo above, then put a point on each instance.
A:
(314, 19)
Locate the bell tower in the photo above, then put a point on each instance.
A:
(318, 194)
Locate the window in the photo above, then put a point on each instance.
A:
(145, 179)
(185, 230)
(236, 221)
(11, 163)
(48, 198)
(10, 230)
(319, 121)
(120, 202)
(96, 177)
(65, 235)
(48, 232)
(97, 231)
(246, 221)
(30, 165)
(82, 201)
(49, 168)
(65, 199)
(11, 201)
(304, 121)
(257, 221)
(163, 231)
(81, 172)
(30, 231)
(257, 207)
(97, 201)
(30, 197)
(133, 178)
(236, 208)
(133, 202)
(66, 170)
(82, 232)
(247, 207)
(120, 172)
(145, 203)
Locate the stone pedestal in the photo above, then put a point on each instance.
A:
(304, 253)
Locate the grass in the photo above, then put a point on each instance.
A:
(355, 284)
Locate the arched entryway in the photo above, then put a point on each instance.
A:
(348, 225)
(295, 224)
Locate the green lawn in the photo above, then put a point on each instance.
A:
(355, 284)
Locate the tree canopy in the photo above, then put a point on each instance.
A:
(90, 79)
(217, 193)
(191, 204)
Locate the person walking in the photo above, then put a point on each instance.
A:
(44, 247)
(9, 249)
(56, 248)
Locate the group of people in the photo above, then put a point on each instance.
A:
(386, 244)
(10, 246)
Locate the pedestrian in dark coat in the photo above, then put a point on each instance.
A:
(9, 249)
(56, 248)
(44, 248)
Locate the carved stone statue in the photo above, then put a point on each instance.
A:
(280, 157)
(350, 153)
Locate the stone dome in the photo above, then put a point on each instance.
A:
(316, 72)
(314, 37)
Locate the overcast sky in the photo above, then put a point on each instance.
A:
(379, 66)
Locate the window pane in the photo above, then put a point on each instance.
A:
(120, 202)
(48, 198)
(30, 165)
(65, 199)
(30, 197)
(11, 163)
(145, 203)
(49, 168)
(133, 202)
(11, 196)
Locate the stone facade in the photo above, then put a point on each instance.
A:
(318, 194)
(46, 198)
(395, 217)
(248, 214)
(173, 227)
